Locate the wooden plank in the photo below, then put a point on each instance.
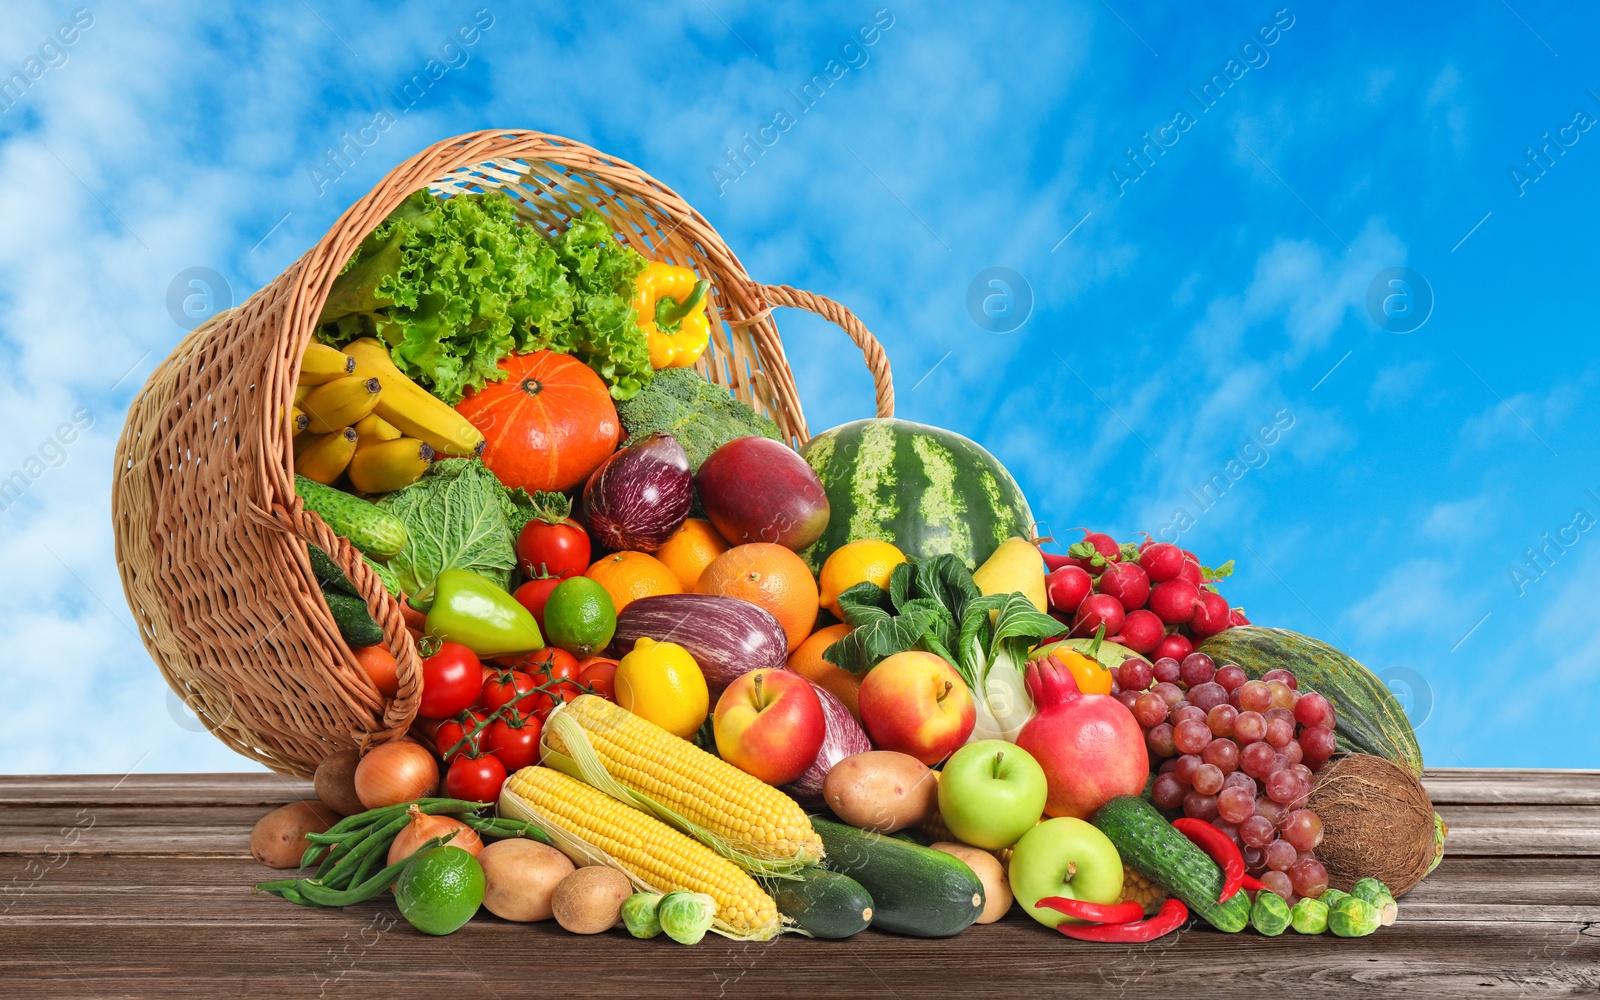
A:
(1521, 830)
(252, 788)
(1509, 786)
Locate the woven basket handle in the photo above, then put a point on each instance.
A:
(844, 319)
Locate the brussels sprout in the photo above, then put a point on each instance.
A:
(1270, 914)
(1439, 830)
(1309, 916)
(1376, 893)
(1353, 917)
(686, 916)
(1333, 896)
(639, 914)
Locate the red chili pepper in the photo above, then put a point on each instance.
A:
(1252, 883)
(1221, 849)
(1096, 913)
(1173, 914)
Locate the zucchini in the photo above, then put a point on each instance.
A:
(376, 532)
(915, 890)
(1149, 845)
(356, 624)
(822, 903)
(1369, 716)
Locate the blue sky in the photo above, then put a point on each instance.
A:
(1174, 312)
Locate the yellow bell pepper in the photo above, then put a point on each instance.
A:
(671, 304)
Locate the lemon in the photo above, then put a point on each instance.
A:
(440, 889)
(579, 617)
(867, 560)
(661, 682)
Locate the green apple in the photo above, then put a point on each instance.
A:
(991, 793)
(1064, 857)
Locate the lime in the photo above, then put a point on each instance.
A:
(440, 889)
(579, 617)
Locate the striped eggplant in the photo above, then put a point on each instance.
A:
(843, 738)
(1368, 717)
(923, 489)
(726, 636)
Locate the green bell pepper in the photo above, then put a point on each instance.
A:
(474, 611)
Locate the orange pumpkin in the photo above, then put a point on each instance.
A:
(547, 425)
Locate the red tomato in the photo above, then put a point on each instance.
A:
(515, 742)
(451, 731)
(476, 779)
(534, 594)
(506, 686)
(451, 680)
(552, 664)
(601, 674)
(558, 550)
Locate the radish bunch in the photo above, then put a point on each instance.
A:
(1154, 598)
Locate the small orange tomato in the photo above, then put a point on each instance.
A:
(1091, 676)
(380, 666)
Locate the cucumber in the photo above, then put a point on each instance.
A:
(330, 575)
(355, 622)
(376, 532)
(1150, 846)
(915, 890)
(822, 903)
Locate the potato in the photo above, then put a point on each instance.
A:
(520, 878)
(589, 900)
(279, 838)
(996, 886)
(335, 782)
(881, 790)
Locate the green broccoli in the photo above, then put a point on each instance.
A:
(703, 417)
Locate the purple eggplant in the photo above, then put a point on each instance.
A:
(726, 636)
(842, 738)
(639, 496)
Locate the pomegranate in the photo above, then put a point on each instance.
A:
(1090, 746)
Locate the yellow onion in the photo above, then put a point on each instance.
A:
(394, 773)
(424, 828)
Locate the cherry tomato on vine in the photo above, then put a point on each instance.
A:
(477, 779)
(451, 680)
(505, 686)
(451, 731)
(558, 665)
(599, 673)
(534, 594)
(514, 741)
(558, 549)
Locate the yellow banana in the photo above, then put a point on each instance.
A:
(410, 407)
(340, 403)
(386, 466)
(323, 457)
(322, 363)
(374, 428)
(301, 392)
(298, 421)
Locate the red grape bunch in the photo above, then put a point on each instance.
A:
(1241, 754)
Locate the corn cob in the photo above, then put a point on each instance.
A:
(584, 820)
(741, 817)
(1137, 888)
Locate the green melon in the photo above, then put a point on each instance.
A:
(923, 489)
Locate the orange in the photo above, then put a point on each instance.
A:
(807, 661)
(628, 576)
(690, 550)
(769, 576)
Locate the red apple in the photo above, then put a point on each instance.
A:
(769, 724)
(916, 703)
(758, 490)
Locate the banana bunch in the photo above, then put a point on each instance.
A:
(355, 414)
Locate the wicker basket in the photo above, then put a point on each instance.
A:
(210, 537)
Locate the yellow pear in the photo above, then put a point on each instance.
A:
(1015, 566)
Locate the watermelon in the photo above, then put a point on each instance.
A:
(923, 489)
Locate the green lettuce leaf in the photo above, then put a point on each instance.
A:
(457, 516)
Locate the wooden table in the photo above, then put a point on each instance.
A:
(140, 887)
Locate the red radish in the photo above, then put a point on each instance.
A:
(1055, 560)
(1090, 746)
(1141, 631)
(1103, 544)
(1174, 646)
(1127, 582)
(1190, 572)
(1095, 611)
(1236, 618)
(1175, 601)
(1211, 616)
(1066, 588)
(1162, 561)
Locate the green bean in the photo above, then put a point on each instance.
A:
(503, 829)
(344, 847)
(378, 842)
(321, 895)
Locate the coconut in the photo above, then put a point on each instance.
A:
(1377, 822)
